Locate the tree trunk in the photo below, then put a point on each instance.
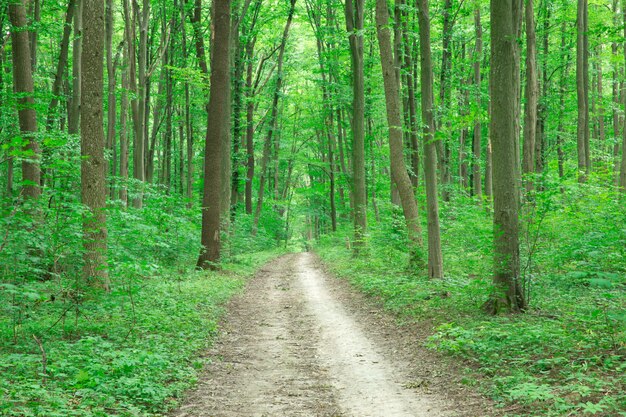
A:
(442, 146)
(111, 101)
(398, 168)
(74, 115)
(23, 85)
(622, 175)
(61, 65)
(124, 136)
(530, 111)
(93, 178)
(218, 123)
(435, 259)
(273, 119)
(354, 24)
(477, 142)
(508, 295)
(581, 89)
(249, 129)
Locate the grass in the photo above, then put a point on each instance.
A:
(129, 353)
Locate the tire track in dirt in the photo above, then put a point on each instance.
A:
(291, 346)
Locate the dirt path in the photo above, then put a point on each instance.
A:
(298, 343)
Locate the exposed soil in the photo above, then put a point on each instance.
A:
(300, 343)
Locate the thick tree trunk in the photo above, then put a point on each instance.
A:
(530, 111)
(509, 295)
(93, 178)
(354, 23)
(435, 259)
(394, 120)
(218, 123)
(23, 85)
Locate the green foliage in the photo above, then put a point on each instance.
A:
(130, 353)
(567, 355)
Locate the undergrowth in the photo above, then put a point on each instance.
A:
(567, 355)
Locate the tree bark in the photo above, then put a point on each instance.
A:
(111, 100)
(23, 85)
(582, 129)
(435, 259)
(477, 142)
(61, 65)
(218, 123)
(124, 136)
(399, 172)
(74, 114)
(93, 178)
(354, 24)
(622, 175)
(267, 147)
(508, 294)
(530, 111)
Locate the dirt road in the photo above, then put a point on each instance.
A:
(298, 343)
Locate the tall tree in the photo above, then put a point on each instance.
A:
(93, 180)
(218, 124)
(622, 175)
(399, 173)
(530, 111)
(508, 294)
(273, 117)
(435, 259)
(354, 24)
(74, 111)
(23, 85)
(582, 90)
(477, 143)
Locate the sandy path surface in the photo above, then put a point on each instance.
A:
(298, 343)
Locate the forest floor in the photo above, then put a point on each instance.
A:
(298, 342)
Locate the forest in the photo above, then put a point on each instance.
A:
(459, 164)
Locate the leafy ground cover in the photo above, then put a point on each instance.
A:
(567, 355)
(69, 349)
(129, 353)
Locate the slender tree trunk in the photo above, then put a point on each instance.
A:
(477, 142)
(622, 175)
(616, 95)
(562, 91)
(61, 65)
(581, 89)
(124, 136)
(111, 101)
(394, 120)
(509, 295)
(443, 146)
(273, 119)
(74, 115)
(139, 151)
(23, 85)
(530, 111)
(435, 259)
(93, 178)
(249, 129)
(218, 123)
(354, 23)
